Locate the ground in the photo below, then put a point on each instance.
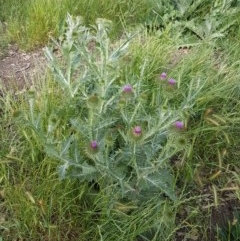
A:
(18, 67)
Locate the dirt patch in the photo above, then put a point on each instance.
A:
(206, 216)
(19, 67)
(222, 215)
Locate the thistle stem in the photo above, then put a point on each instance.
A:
(135, 161)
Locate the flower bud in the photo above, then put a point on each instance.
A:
(179, 125)
(127, 89)
(172, 82)
(163, 76)
(127, 93)
(94, 145)
(93, 101)
(137, 131)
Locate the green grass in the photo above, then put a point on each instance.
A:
(31, 23)
(4, 40)
(36, 205)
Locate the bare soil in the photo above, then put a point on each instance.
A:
(17, 68)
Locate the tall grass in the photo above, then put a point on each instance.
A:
(31, 23)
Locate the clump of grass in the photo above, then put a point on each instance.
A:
(31, 23)
(3, 40)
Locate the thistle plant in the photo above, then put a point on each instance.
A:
(124, 121)
(112, 129)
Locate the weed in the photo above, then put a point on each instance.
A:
(121, 125)
(143, 130)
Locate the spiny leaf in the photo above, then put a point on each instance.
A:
(85, 172)
(160, 180)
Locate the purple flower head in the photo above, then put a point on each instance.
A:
(172, 82)
(137, 130)
(179, 125)
(94, 145)
(163, 76)
(127, 88)
(92, 148)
